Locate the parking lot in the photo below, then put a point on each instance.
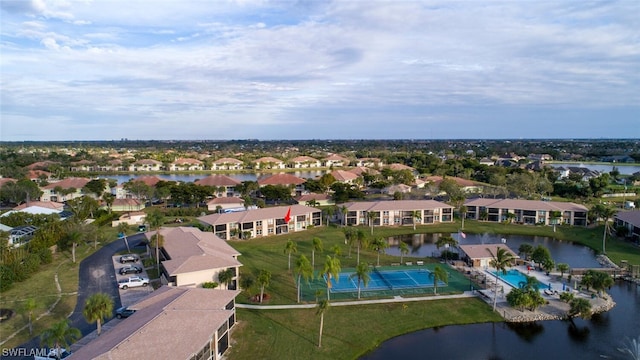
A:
(133, 294)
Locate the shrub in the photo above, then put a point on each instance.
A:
(210, 285)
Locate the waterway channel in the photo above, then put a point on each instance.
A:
(597, 338)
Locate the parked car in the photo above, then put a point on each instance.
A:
(130, 269)
(128, 258)
(133, 281)
(124, 312)
(53, 354)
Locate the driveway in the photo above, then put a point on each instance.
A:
(96, 274)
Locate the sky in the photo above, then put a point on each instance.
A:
(270, 70)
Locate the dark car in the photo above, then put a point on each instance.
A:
(130, 269)
(124, 312)
(128, 258)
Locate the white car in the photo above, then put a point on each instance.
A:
(133, 281)
(53, 354)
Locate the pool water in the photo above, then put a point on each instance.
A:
(514, 278)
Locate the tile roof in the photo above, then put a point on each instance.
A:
(460, 181)
(226, 200)
(187, 161)
(526, 204)
(150, 180)
(397, 167)
(227, 161)
(632, 217)
(193, 250)
(68, 183)
(483, 251)
(335, 157)
(43, 204)
(148, 162)
(359, 170)
(403, 205)
(277, 212)
(217, 180)
(342, 175)
(281, 179)
(6, 180)
(171, 320)
(304, 159)
(268, 159)
(312, 196)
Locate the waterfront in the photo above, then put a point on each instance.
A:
(597, 338)
(624, 169)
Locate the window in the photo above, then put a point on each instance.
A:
(258, 231)
(270, 231)
(259, 223)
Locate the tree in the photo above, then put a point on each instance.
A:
(331, 270)
(362, 242)
(156, 219)
(263, 280)
(122, 230)
(344, 211)
(540, 255)
(108, 200)
(548, 265)
(525, 250)
(98, 307)
(563, 268)
(499, 261)
(225, 277)
(322, 307)
(28, 307)
(416, 215)
(289, 248)
(246, 282)
(438, 274)
(304, 270)
(579, 307)
(362, 274)
(60, 334)
(350, 236)
(599, 280)
(554, 216)
(371, 218)
(463, 215)
(316, 245)
(606, 213)
(378, 245)
(404, 250)
(446, 241)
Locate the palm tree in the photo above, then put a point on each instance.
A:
(499, 261)
(438, 274)
(304, 270)
(563, 268)
(579, 307)
(362, 241)
(606, 213)
(122, 229)
(28, 307)
(378, 245)
(343, 211)
(289, 248)
(350, 236)
(329, 212)
(60, 334)
(316, 245)
(263, 280)
(463, 214)
(445, 241)
(98, 307)
(155, 219)
(404, 250)
(554, 216)
(322, 307)
(225, 277)
(331, 269)
(526, 250)
(362, 273)
(416, 215)
(371, 218)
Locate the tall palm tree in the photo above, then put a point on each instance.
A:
(404, 250)
(123, 228)
(362, 273)
(362, 242)
(304, 270)
(98, 307)
(499, 261)
(155, 219)
(331, 270)
(225, 277)
(264, 278)
(563, 268)
(438, 274)
(378, 245)
(344, 211)
(322, 307)
(606, 213)
(60, 334)
(289, 248)
(416, 215)
(350, 235)
(463, 214)
(28, 307)
(316, 245)
(446, 241)
(371, 218)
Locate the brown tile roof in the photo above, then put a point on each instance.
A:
(148, 162)
(193, 250)
(281, 179)
(171, 320)
(6, 180)
(45, 204)
(527, 204)
(35, 174)
(277, 212)
(68, 183)
(150, 180)
(226, 200)
(403, 205)
(187, 161)
(359, 170)
(217, 180)
(304, 159)
(227, 161)
(336, 157)
(312, 196)
(41, 164)
(268, 159)
(481, 251)
(397, 167)
(342, 175)
(460, 181)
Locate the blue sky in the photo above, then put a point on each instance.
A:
(106, 70)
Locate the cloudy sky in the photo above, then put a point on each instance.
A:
(245, 69)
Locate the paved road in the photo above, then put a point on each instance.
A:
(96, 274)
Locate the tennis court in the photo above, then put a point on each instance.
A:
(385, 280)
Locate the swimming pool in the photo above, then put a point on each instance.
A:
(514, 278)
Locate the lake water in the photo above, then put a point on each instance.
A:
(597, 338)
(602, 168)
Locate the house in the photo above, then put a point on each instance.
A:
(319, 199)
(225, 203)
(540, 157)
(127, 205)
(190, 257)
(263, 222)
(269, 162)
(21, 235)
(121, 193)
(83, 165)
(480, 256)
(335, 160)
(146, 165)
(55, 206)
(396, 188)
(36, 175)
(527, 211)
(305, 162)
(130, 218)
(368, 162)
(186, 164)
(359, 170)
(64, 190)
(487, 162)
(285, 180)
(343, 176)
(172, 322)
(398, 212)
(225, 186)
(618, 159)
(399, 167)
(227, 164)
(629, 220)
(584, 172)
